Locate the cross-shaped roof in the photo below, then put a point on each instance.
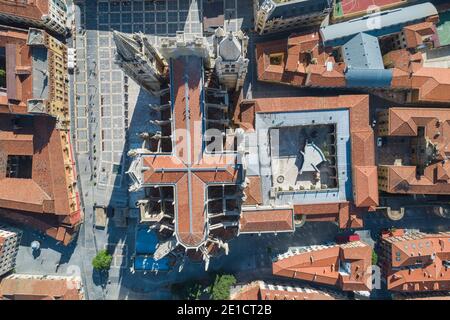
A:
(188, 168)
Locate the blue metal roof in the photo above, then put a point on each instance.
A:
(147, 263)
(146, 240)
(297, 8)
(363, 52)
(376, 24)
(368, 78)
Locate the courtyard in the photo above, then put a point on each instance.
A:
(304, 157)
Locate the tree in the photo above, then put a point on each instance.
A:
(220, 289)
(190, 290)
(2, 78)
(102, 261)
(374, 257)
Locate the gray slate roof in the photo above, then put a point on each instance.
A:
(363, 52)
(376, 24)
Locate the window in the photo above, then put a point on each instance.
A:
(2, 67)
(276, 59)
(19, 167)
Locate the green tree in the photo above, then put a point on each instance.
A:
(220, 290)
(2, 78)
(190, 290)
(102, 261)
(374, 257)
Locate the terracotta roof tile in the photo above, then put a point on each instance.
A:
(431, 84)
(23, 287)
(33, 10)
(405, 122)
(270, 220)
(363, 147)
(366, 186)
(189, 169)
(304, 62)
(414, 33)
(363, 150)
(47, 191)
(317, 209)
(415, 262)
(326, 265)
(253, 191)
(443, 171)
(258, 290)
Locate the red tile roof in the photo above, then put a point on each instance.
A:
(433, 84)
(365, 185)
(18, 53)
(258, 290)
(317, 208)
(320, 212)
(307, 63)
(51, 198)
(365, 178)
(303, 62)
(253, 191)
(415, 261)
(33, 10)
(405, 122)
(414, 34)
(266, 220)
(48, 192)
(28, 287)
(188, 169)
(346, 266)
(430, 85)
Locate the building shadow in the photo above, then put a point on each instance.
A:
(121, 238)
